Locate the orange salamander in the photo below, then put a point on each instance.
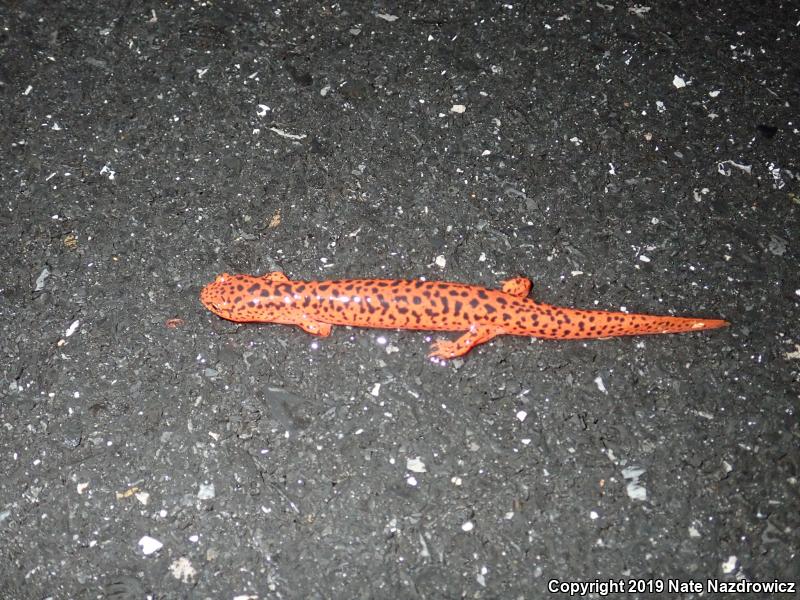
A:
(481, 313)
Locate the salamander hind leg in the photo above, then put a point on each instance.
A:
(517, 286)
(445, 349)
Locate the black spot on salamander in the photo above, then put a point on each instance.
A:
(453, 293)
(591, 318)
(300, 287)
(457, 308)
(402, 310)
(237, 300)
(401, 298)
(431, 313)
(501, 301)
(489, 308)
(265, 293)
(506, 317)
(442, 285)
(464, 293)
(416, 300)
(581, 325)
(254, 288)
(445, 304)
(382, 283)
(426, 293)
(323, 287)
(396, 282)
(474, 303)
(482, 294)
(349, 287)
(239, 287)
(418, 283)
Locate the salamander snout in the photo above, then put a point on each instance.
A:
(214, 296)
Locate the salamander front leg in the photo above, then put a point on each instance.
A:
(314, 327)
(304, 322)
(276, 277)
(445, 349)
(517, 286)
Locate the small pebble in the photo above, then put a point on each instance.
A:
(149, 545)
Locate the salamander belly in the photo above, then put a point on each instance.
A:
(393, 303)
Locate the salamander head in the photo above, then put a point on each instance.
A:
(240, 298)
(221, 295)
(217, 296)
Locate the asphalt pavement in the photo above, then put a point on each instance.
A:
(637, 157)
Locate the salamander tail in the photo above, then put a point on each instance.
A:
(586, 324)
(645, 324)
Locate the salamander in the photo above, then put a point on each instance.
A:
(480, 313)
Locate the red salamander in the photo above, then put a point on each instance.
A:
(481, 313)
